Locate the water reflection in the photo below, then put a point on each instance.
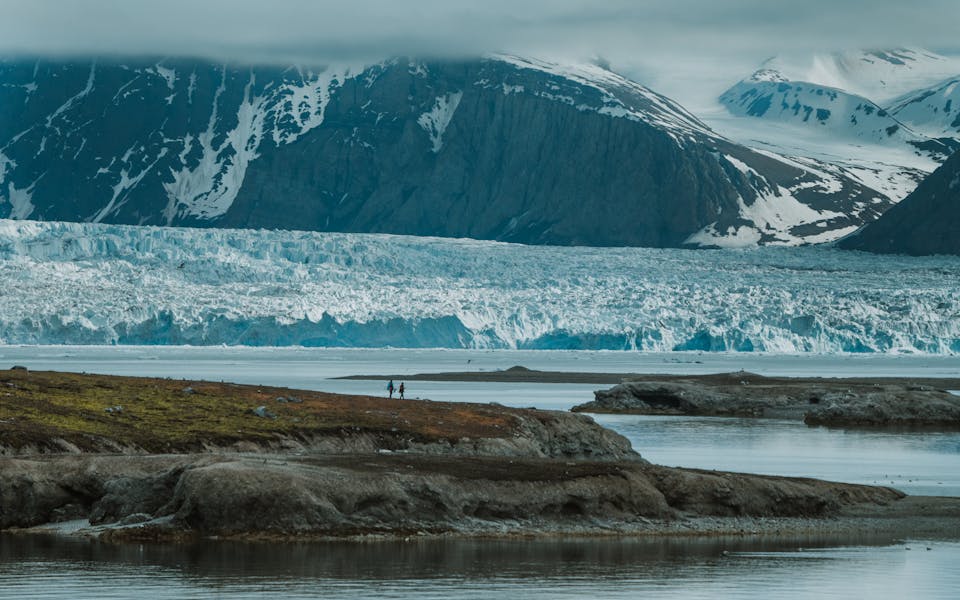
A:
(920, 463)
(45, 567)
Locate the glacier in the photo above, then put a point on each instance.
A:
(70, 283)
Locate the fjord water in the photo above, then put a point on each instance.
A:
(725, 567)
(841, 567)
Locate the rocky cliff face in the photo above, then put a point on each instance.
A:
(926, 222)
(501, 148)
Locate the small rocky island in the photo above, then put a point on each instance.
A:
(849, 403)
(127, 458)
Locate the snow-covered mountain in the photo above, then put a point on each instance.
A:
(860, 111)
(502, 148)
(933, 111)
(844, 116)
(881, 75)
(70, 283)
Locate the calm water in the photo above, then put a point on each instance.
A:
(694, 568)
(918, 463)
(304, 367)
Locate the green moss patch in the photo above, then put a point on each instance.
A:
(162, 415)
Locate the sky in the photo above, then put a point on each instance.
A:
(689, 49)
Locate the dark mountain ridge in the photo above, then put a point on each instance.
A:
(925, 222)
(500, 148)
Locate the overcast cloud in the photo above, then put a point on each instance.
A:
(666, 44)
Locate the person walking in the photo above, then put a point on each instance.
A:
(390, 389)
(401, 390)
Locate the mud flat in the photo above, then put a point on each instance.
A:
(129, 458)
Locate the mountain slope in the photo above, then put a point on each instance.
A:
(880, 75)
(503, 148)
(768, 94)
(841, 109)
(925, 222)
(842, 118)
(933, 111)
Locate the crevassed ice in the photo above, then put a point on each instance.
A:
(101, 284)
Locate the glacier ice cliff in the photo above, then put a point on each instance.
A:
(69, 283)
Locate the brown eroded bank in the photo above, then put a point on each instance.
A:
(136, 458)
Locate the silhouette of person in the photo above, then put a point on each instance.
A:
(401, 390)
(390, 389)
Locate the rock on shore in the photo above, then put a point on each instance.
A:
(913, 408)
(830, 402)
(173, 496)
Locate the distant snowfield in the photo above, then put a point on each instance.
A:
(879, 117)
(99, 284)
(879, 75)
(892, 170)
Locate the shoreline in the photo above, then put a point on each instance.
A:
(882, 403)
(286, 497)
(519, 374)
(156, 459)
(912, 517)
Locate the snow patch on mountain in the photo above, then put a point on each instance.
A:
(19, 200)
(209, 189)
(774, 214)
(191, 87)
(620, 97)
(169, 75)
(123, 187)
(301, 106)
(934, 111)
(436, 120)
(5, 164)
(66, 106)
